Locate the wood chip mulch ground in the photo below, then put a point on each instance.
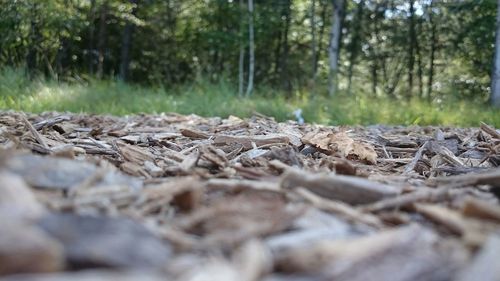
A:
(172, 197)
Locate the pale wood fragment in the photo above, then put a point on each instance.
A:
(481, 209)
(489, 177)
(484, 267)
(340, 208)
(411, 166)
(34, 132)
(349, 189)
(490, 130)
(247, 141)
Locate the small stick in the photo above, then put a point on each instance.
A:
(34, 132)
(490, 177)
(430, 195)
(411, 166)
(490, 130)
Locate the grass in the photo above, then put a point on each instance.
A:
(220, 99)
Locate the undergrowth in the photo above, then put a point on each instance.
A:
(220, 99)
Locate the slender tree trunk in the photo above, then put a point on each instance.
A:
(377, 57)
(220, 27)
(334, 49)
(251, 63)
(277, 55)
(354, 46)
(420, 71)
(495, 77)
(399, 71)
(90, 54)
(171, 70)
(313, 41)
(216, 45)
(321, 34)
(411, 48)
(241, 72)
(433, 52)
(101, 44)
(241, 61)
(125, 51)
(61, 55)
(126, 46)
(34, 38)
(282, 37)
(374, 74)
(285, 79)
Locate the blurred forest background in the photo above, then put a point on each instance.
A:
(339, 61)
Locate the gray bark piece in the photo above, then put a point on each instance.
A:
(60, 173)
(295, 277)
(486, 265)
(106, 242)
(313, 226)
(349, 189)
(404, 254)
(89, 275)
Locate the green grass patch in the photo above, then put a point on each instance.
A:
(220, 99)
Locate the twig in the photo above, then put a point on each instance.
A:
(35, 133)
(411, 166)
(491, 177)
(431, 195)
(348, 189)
(490, 130)
(51, 122)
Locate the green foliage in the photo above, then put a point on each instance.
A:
(220, 99)
(190, 49)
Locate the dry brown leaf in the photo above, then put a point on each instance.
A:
(343, 144)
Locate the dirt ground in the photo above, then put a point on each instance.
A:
(172, 197)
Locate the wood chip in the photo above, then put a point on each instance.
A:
(248, 141)
(348, 189)
(173, 197)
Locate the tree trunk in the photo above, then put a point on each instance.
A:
(34, 36)
(420, 71)
(285, 79)
(61, 55)
(374, 74)
(171, 70)
(277, 54)
(378, 59)
(321, 34)
(241, 61)
(313, 41)
(126, 45)
(101, 44)
(251, 63)
(334, 48)
(90, 53)
(495, 77)
(433, 52)
(411, 48)
(354, 46)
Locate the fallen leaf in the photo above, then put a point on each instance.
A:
(343, 144)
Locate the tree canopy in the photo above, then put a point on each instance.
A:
(399, 48)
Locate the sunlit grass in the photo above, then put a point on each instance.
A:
(220, 99)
